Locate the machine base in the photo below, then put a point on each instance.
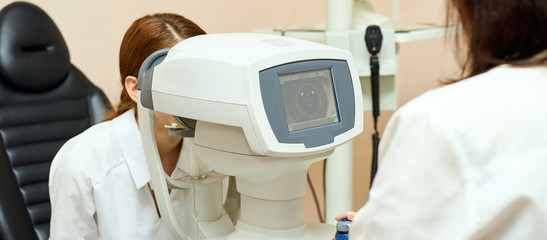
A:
(308, 231)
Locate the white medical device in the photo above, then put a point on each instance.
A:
(263, 108)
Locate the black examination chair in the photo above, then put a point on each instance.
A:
(44, 101)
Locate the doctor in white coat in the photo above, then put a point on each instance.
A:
(99, 180)
(469, 160)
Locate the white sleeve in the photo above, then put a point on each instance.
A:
(420, 190)
(71, 195)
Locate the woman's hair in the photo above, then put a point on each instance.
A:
(499, 32)
(145, 36)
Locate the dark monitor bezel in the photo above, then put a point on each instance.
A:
(272, 100)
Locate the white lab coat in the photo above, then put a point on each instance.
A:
(464, 161)
(99, 186)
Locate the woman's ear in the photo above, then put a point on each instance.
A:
(131, 86)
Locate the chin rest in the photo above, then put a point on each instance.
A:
(44, 101)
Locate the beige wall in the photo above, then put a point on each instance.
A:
(94, 29)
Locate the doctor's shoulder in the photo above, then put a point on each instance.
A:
(450, 100)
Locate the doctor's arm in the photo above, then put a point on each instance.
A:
(421, 188)
(71, 195)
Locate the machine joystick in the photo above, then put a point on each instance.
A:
(342, 229)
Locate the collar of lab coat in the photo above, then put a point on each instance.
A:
(129, 137)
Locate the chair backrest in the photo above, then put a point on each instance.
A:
(44, 101)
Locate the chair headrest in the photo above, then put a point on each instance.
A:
(33, 54)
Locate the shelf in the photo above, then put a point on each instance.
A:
(416, 32)
(403, 32)
(306, 34)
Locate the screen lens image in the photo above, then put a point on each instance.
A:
(308, 98)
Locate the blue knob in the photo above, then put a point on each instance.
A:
(339, 236)
(342, 229)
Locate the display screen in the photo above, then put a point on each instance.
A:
(308, 98)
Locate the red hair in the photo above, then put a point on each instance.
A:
(145, 36)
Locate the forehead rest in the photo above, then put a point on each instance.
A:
(33, 54)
